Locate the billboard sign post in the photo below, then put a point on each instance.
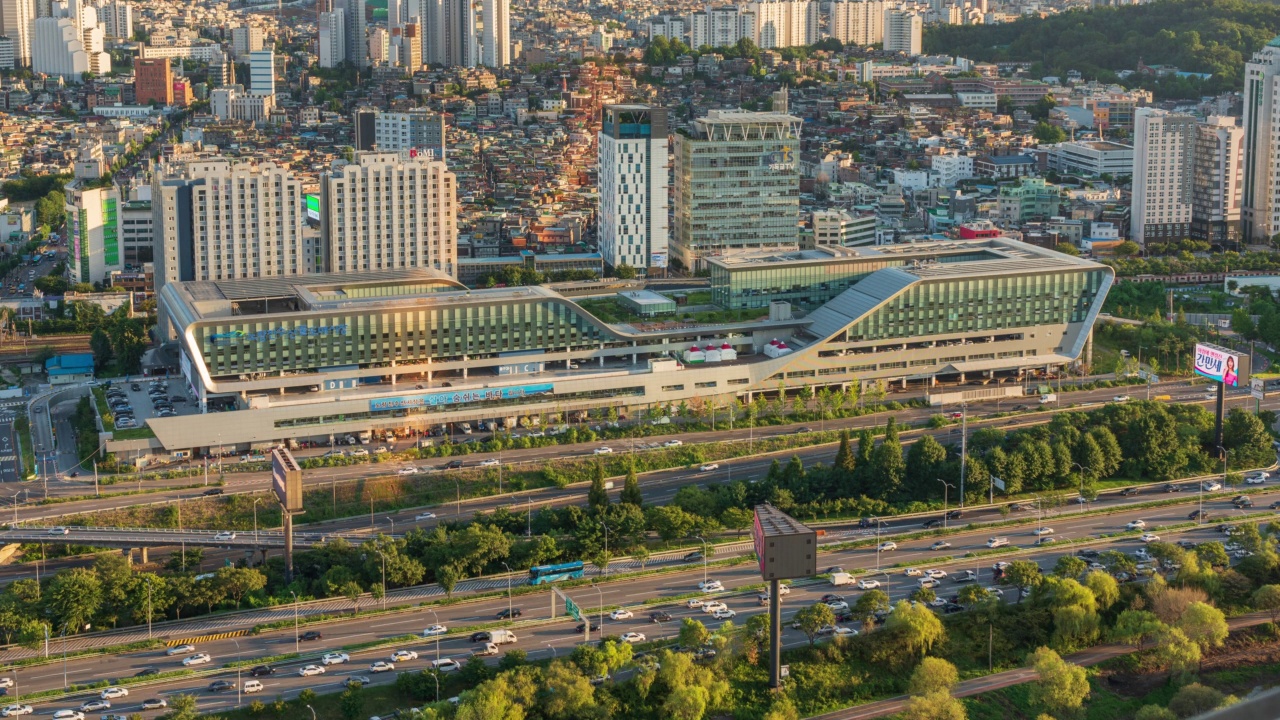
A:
(785, 548)
(286, 482)
(1221, 364)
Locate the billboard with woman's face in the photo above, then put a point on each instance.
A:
(1221, 364)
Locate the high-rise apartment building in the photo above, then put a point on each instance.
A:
(1163, 162)
(221, 220)
(409, 53)
(1260, 204)
(737, 184)
(357, 48)
(418, 130)
(58, 48)
(153, 81)
(667, 26)
(632, 225)
(1215, 194)
(857, 22)
(720, 26)
(496, 40)
(784, 23)
(262, 72)
(16, 17)
(903, 31)
(116, 19)
(389, 211)
(93, 239)
(455, 35)
(246, 39)
(332, 46)
(231, 102)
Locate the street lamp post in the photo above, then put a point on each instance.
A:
(553, 648)
(528, 518)
(437, 618)
(704, 558)
(65, 628)
(510, 611)
(255, 521)
(239, 660)
(296, 647)
(945, 486)
(1082, 469)
(148, 607)
(313, 710)
(600, 593)
(384, 577)
(434, 676)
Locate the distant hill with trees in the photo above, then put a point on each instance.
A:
(1199, 36)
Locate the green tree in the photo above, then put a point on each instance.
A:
(1267, 598)
(491, 700)
(630, 488)
(625, 272)
(868, 604)
(182, 707)
(1195, 699)
(1106, 591)
(844, 461)
(1134, 627)
(934, 706)
(971, 595)
(1175, 651)
(73, 598)
(1047, 134)
(566, 694)
(1070, 566)
(811, 619)
(737, 519)
(687, 703)
(1022, 574)
(1154, 712)
(918, 627)
(1062, 686)
(693, 634)
(100, 345)
(1204, 625)
(925, 461)
(352, 702)
(448, 576)
(598, 496)
(933, 675)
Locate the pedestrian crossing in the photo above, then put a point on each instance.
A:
(7, 458)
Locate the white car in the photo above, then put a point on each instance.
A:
(68, 715)
(928, 583)
(1212, 486)
(491, 462)
(16, 710)
(197, 659)
(887, 545)
(709, 467)
(672, 443)
(711, 586)
(411, 470)
(695, 603)
(59, 531)
(912, 572)
(1150, 537)
(309, 670)
(940, 545)
(1256, 478)
(723, 614)
(335, 658)
(94, 705)
(842, 631)
(621, 614)
(225, 535)
(403, 656)
(6, 682)
(1136, 524)
(712, 607)
(1120, 398)
(435, 630)
(382, 666)
(1043, 531)
(838, 606)
(603, 451)
(633, 637)
(868, 584)
(936, 574)
(445, 665)
(180, 650)
(425, 516)
(112, 693)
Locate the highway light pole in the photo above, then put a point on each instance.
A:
(65, 628)
(239, 660)
(255, 520)
(148, 607)
(704, 558)
(510, 611)
(313, 710)
(528, 518)
(945, 485)
(296, 648)
(437, 618)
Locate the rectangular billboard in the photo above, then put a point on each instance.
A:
(785, 547)
(286, 480)
(1221, 364)
(313, 207)
(459, 397)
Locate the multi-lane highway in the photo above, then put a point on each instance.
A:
(541, 637)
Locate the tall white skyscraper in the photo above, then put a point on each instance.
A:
(720, 26)
(69, 43)
(497, 32)
(332, 47)
(633, 227)
(246, 39)
(784, 23)
(115, 17)
(1215, 195)
(457, 34)
(16, 17)
(1260, 209)
(262, 72)
(388, 211)
(357, 51)
(222, 220)
(903, 31)
(857, 22)
(1163, 163)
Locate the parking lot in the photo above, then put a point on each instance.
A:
(146, 398)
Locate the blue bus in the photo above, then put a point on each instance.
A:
(540, 574)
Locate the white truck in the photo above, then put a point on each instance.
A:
(996, 542)
(502, 637)
(486, 650)
(841, 578)
(1046, 399)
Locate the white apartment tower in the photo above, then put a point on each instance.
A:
(262, 73)
(1215, 194)
(903, 31)
(857, 22)
(1260, 208)
(332, 46)
(1163, 163)
(246, 39)
(224, 220)
(16, 17)
(115, 17)
(667, 26)
(632, 223)
(389, 211)
(720, 27)
(784, 23)
(357, 48)
(496, 40)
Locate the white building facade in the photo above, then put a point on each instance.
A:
(633, 225)
(1163, 162)
(1260, 208)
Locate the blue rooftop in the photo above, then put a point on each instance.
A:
(77, 364)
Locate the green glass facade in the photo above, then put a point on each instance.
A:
(110, 239)
(982, 304)
(406, 336)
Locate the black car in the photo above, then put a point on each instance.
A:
(1245, 503)
(311, 635)
(804, 430)
(955, 515)
(950, 608)
(660, 616)
(1129, 492)
(135, 387)
(871, 522)
(221, 686)
(262, 670)
(1198, 515)
(930, 524)
(830, 597)
(692, 557)
(1186, 544)
(509, 614)
(212, 491)
(453, 465)
(582, 627)
(1171, 488)
(144, 672)
(1274, 505)
(1087, 553)
(481, 636)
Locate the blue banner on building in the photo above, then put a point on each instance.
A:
(459, 397)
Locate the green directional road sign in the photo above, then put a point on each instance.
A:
(572, 608)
